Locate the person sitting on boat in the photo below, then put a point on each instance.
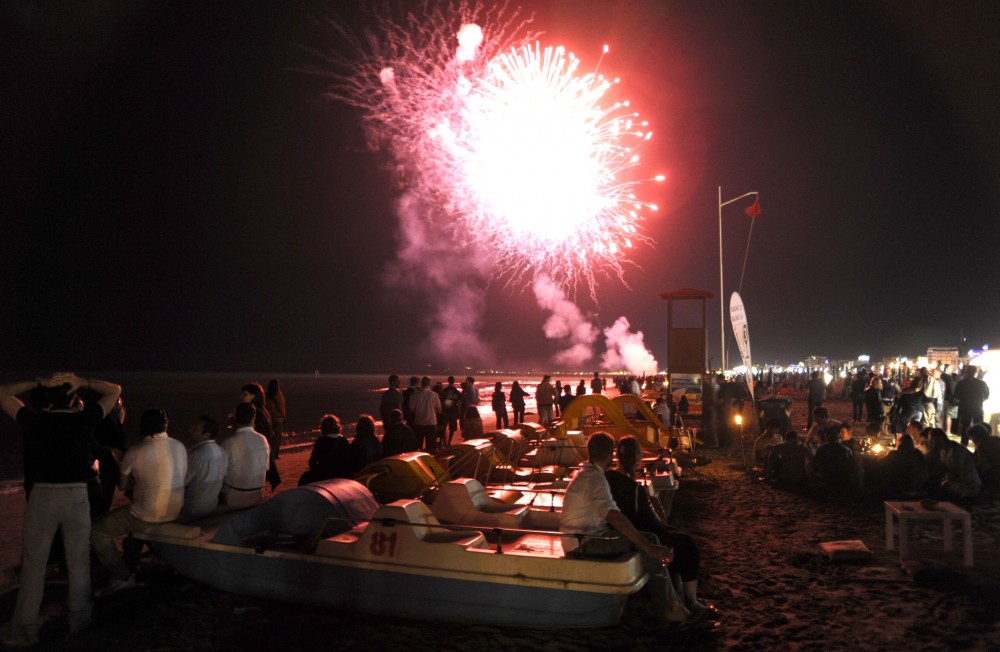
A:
(366, 448)
(249, 458)
(472, 424)
(647, 515)
(590, 510)
(399, 438)
(206, 469)
(331, 453)
(156, 469)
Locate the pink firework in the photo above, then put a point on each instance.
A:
(509, 144)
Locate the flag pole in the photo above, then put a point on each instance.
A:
(722, 297)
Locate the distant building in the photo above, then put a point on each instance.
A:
(944, 356)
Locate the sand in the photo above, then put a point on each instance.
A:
(762, 568)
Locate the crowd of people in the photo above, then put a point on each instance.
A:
(75, 458)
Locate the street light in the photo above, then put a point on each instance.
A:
(722, 299)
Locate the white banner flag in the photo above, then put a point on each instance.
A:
(738, 316)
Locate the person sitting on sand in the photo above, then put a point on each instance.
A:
(904, 470)
(821, 423)
(787, 462)
(961, 480)
(590, 509)
(847, 439)
(833, 464)
(647, 515)
(987, 455)
(331, 454)
(771, 437)
(206, 469)
(156, 468)
(365, 448)
(249, 460)
(399, 438)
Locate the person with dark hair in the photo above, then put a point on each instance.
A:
(816, 394)
(470, 398)
(564, 400)
(787, 462)
(249, 458)
(57, 467)
(206, 469)
(391, 400)
(961, 480)
(590, 510)
(109, 446)
(472, 424)
(408, 393)
(156, 469)
(821, 424)
(873, 400)
(581, 388)
(399, 438)
(517, 396)
(904, 470)
(426, 407)
(499, 402)
(365, 448)
(596, 384)
(770, 437)
(833, 465)
(253, 393)
(647, 515)
(970, 394)
(847, 440)
(274, 401)
(331, 453)
(451, 407)
(987, 455)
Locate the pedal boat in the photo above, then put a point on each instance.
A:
(331, 544)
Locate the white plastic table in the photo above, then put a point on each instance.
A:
(916, 511)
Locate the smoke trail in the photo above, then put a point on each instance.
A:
(447, 282)
(566, 323)
(626, 349)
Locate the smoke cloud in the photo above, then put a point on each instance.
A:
(566, 323)
(626, 350)
(448, 283)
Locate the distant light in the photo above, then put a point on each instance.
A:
(864, 358)
(739, 419)
(606, 49)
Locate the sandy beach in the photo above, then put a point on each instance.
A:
(762, 568)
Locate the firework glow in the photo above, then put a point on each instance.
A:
(513, 153)
(522, 154)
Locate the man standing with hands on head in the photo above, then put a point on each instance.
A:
(57, 466)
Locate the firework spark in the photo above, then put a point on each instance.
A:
(516, 151)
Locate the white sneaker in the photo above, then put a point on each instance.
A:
(116, 586)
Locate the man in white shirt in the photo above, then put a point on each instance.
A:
(426, 405)
(590, 509)
(156, 470)
(207, 466)
(249, 454)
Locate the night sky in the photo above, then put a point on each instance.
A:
(178, 195)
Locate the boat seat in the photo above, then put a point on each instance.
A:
(417, 513)
(465, 502)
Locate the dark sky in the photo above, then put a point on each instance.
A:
(177, 195)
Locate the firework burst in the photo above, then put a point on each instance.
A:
(512, 148)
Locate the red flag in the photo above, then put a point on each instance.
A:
(753, 210)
